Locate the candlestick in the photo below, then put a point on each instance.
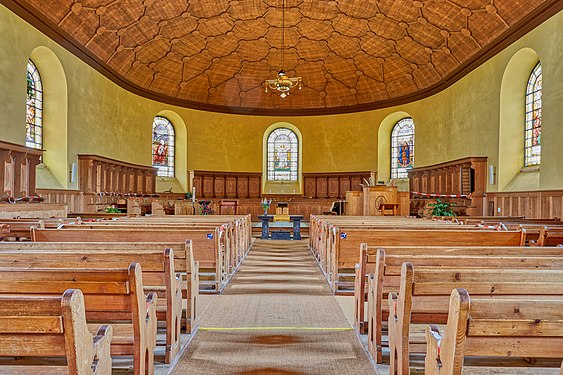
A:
(193, 194)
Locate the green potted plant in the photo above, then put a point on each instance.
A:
(442, 208)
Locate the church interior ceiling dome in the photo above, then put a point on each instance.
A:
(352, 55)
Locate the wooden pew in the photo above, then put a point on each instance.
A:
(52, 326)
(371, 262)
(424, 294)
(182, 256)
(345, 250)
(208, 244)
(158, 276)
(520, 327)
(239, 227)
(550, 236)
(387, 272)
(112, 296)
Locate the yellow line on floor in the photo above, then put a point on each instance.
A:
(275, 328)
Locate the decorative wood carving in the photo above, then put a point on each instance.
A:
(17, 170)
(100, 175)
(227, 184)
(464, 177)
(332, 185)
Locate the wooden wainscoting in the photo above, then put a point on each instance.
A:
(332, 185)
(227, 184)
(531, 204)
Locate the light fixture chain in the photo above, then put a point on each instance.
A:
(283, 36)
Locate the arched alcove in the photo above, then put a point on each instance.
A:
(180, 179)
(384, 144)
(511, 127)
(282, 187)
(54, 171)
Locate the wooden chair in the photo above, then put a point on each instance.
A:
(52, 326)
(518, 327)
(112, 296)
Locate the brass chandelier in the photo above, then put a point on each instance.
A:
(283, 83)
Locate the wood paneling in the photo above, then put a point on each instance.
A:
(17, 170)
(227, 184)
(98, 174)
(32, 210)
(530, 204)
(332, 185)
(465, 176)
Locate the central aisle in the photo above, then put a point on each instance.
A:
(277, 316)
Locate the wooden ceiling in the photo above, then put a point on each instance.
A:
(351, 54)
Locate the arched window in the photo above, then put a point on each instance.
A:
(402, 148)
(532, 136)
(283, 155)
(163, 146)
(34, 111)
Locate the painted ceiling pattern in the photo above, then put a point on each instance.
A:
(348, 52)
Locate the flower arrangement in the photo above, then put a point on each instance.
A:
(265, 204)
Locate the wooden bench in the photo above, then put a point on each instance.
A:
(207, 245)
(345, 248)
(112, 296)
(370, 262)
(424, 294)
(52, 326)
(158, 276)
(182, 256)
(550, 236)
(386, 278)
(519, 327)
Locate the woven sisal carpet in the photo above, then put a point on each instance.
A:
(276, 317)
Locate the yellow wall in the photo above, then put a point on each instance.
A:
(107, 120)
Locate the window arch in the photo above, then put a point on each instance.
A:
(34, 108)
(402, 148)
(163, 146)
(532, 135)
(283, 155)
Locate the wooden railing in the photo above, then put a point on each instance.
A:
(227, 184)
(101, 175)
(332, 185)
(17, 170)
(464, 177)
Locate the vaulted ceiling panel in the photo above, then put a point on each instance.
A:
(350, 54)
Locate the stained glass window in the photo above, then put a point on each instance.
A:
(283, 155)
(163, 146)
(402, 148)
(34, 111)
(532, 137)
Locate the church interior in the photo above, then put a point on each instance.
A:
(281, 187)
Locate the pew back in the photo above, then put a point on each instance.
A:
(52, 326)
(517, 327)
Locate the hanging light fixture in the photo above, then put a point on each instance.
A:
(283, 83)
